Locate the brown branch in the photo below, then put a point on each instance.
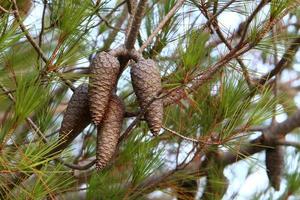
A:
(250, 18)
(130, 6)
(77, 167)
(198, 81)
(181, 92)
(112, 35)
(284, 142)
(27, 35)
(229, 157)
(34, 44)
(43, 23)
(228, 45)
(4, 10)
(162, 24)
(136, 23)
(284, 61)
(179, 135)
(270, 137)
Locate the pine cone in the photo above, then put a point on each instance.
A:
(146, 83)
(274, 164)
(76, 117)
(109, 131)
(104, 73)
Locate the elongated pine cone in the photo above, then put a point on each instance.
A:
(76, 117)
(274, 165)
(146, 83)
(108, 132)
(104, 72)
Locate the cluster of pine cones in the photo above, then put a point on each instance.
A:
(98, 103)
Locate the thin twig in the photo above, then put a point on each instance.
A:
(4, 10)
(108, 24)
(211, 71)
(228, 45)
(250, 18)
(27, 35)
(115, 8)
(42, 23)
(179, 135)
(220, 11)
(130, 128)
(34, 44)
(136, 23)
(7, 92)
(286, 58)
(288, 143)
(112, 35)
(162, 24)
(78, 167)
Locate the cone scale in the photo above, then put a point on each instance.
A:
(104, 73)
(146, 83)
(274, 165)
(76, 117)
(108, 132)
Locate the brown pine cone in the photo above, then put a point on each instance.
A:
(146, 83)
(108, 132)
(104, 72)
(274, 165)
(76, 117)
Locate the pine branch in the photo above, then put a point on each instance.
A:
(284, 61)
(168, 177)
(162, 24)
(110, 39)
(28, 36)
(180, 93)
(283, 142)
(136, 23)
(270, 137)
(5, 11)
(43, 23)
(227, 158)
(250, 18)
(228, 45)
(181, 136)
(238, 50)
(34, 44)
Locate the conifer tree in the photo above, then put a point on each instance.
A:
(218, 106)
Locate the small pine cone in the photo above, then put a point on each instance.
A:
(274, 165)
(76, 117)
(104, 72)
(108, 132)
(146, 83)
